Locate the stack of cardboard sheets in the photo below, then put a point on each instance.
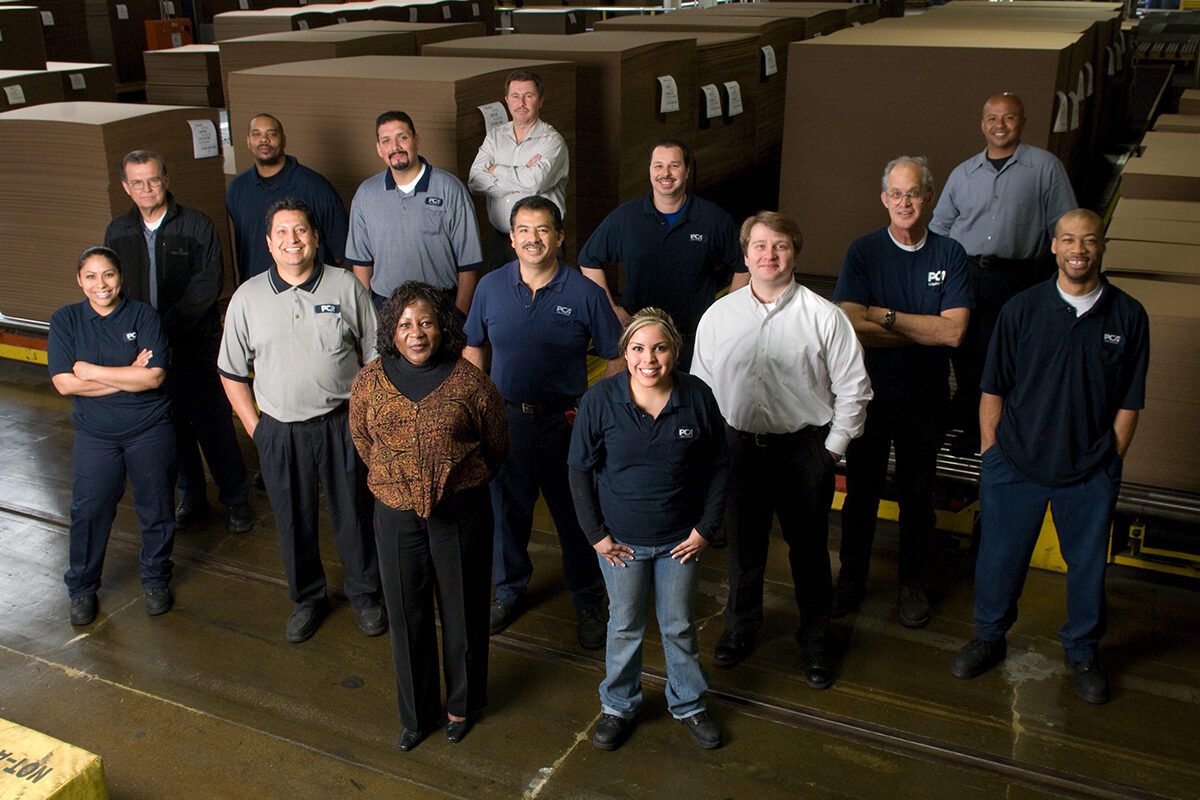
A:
(280, 48)
(844, 122)
(116, 31)
(1189, 102)
(185, 76)
(1168, 169)
(20, 88)
(21, 44)
(64, 28)
(239, 23)
(624, 76)
(80, 81)
(442, 95)
(51, 208)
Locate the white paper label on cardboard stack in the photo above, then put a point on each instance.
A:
(735, 97)
(122, 11)
(205, 142)
(1091, 83)
(47, 19)
(856, 24)
(15, 94)
(474, 9)
(712, 100)
(571, 17)
(412, 15)
(1, 36)
(1063, 116)
(1074, 103)
(493, 115)
(1081, 85)
(169, 8)
(78, 82)
(342, 20)
(770, 67)
(670, 94)
(176, 40)
(244, 5)
(1112, 61)
(446, 12)
(302, 24)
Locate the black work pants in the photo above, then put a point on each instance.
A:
(298, 459)
(446, 556)
(916, 428)
(204, 423)
(790, 475)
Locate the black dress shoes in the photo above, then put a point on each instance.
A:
(409, 739)
(455, 731)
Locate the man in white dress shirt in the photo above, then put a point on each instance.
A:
(519, 158)
(788, 374)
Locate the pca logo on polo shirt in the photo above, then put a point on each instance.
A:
(936, 278)
(564, 311)
(685, 433)
(328, 308)
(697, 237)
(131, 336)
(434, 201)
(1112, 338)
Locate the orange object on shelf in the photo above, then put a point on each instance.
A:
(163, 34)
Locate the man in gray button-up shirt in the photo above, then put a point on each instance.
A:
(1001, 205)
(304, 330)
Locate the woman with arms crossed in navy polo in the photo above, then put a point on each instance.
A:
(109, 355)
(649, 465)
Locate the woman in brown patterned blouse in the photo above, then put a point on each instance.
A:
(431, 429)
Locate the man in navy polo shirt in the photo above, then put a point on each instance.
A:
(412, 222)
(679, 250)
(274, 176)
(906, 293)
(532, 319)
(1064, 381)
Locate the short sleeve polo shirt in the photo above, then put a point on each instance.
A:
(653, 473)
(540, 343)
(676, 268)
(1063, 379)
(250, 195)
(78, 333)
(304, 344)
(933, 279)
(429, 235)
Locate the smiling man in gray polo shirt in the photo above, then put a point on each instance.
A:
(304, 330)
(412, 222)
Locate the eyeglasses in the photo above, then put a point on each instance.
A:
(137, 184)
(917, 196)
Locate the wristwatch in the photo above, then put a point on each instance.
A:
(889, 318)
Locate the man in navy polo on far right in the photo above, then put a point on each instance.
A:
(1064, 381)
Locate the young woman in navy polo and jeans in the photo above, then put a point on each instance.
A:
(649, 466)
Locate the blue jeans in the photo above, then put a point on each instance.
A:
(674, 587)
(1012, 509)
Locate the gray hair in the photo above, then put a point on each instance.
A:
(920, 162)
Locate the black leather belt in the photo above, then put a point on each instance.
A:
(542, 408)
(779, 439)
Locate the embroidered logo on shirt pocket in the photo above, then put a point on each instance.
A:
(685, 433)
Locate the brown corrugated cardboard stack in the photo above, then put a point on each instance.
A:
(279, 48)
(97, 82)
(185, 76)
(21, 88)
(1166, 451)
(1178, 123)
(21, 44)
(844, 124)
(1189, 103)
(52, 208)
(240, 23)
(331, 123)
(1168, 169)
(64, 28)
(624, 79)
(117, 34)
(423, 33)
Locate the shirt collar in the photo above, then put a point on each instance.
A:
(556, 283)
(289, 164)
(780, 301)
(1019, 156)
(649, 209)
(90, 314)
(279, 285)
(389, 182)
(626, 396)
